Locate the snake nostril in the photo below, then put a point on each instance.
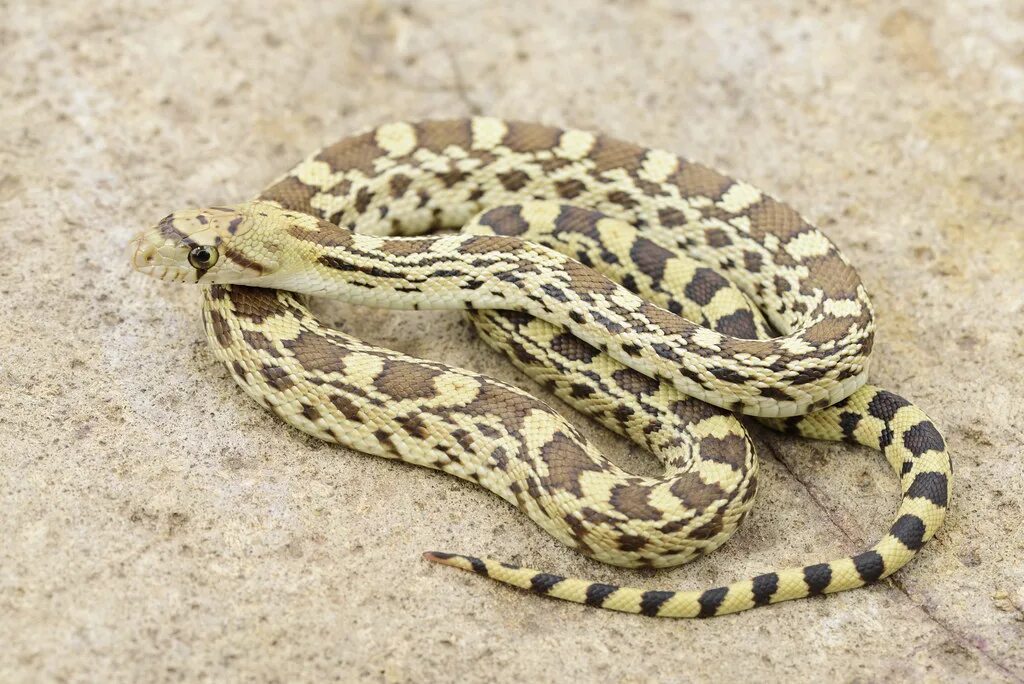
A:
(133, 253)
(142, 255)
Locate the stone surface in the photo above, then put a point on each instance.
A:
(158, 525)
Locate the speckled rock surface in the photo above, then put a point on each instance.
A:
(158, 525)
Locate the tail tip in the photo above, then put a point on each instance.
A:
(439, 557)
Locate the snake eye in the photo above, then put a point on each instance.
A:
(202, 257)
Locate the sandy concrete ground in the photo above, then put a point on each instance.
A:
(158, 525)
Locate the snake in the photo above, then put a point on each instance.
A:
(651, 293)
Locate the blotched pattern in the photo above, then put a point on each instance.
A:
(602, 347)
(408, 179)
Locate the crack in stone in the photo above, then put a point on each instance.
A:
(459, 82)
(956, 636)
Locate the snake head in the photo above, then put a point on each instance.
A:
(213, 245)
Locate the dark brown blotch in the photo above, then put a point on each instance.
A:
(566, 463)
(346, 406)
(631, 542)
(769, 216)
(621, 198)
(291, 193)
(258, 340)
(710, 529)
(436, 136)
(828, 330)
(355, 153)
(256, 303)
(610, 153)
(242, 260)
(220, 327)
(452, 177)
(704, 285)
(669, 323)
(690, 410)
(739, 324)
(311, 413)
(398, 184)
(632, 500)
(587, 280)
(327, 235)
(485, 244)
(731, 449)
(526, 137)
(399, 246)
(634, 382)
(573, 348)
(752, 261)
(505, 220)
(573, 219)
(694, 492)
(833, 276)
(407, 380)
(716, 237)
(363, 198)
(651, 258)
(514, 180)
(698, 180)
(493, 399)
(671, 217)
(570, 188)
(277, 377)
(317, 353)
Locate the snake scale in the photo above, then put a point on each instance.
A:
(649, 292)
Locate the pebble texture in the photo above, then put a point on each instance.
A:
(157, 525)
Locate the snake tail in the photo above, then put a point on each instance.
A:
(882, 420)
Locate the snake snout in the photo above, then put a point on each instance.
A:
(144, 256)
(140, 253)
(148, 255)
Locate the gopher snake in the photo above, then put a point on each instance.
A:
(686, 244)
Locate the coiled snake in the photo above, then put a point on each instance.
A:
(545, 212)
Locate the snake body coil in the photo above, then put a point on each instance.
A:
(690, 259)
